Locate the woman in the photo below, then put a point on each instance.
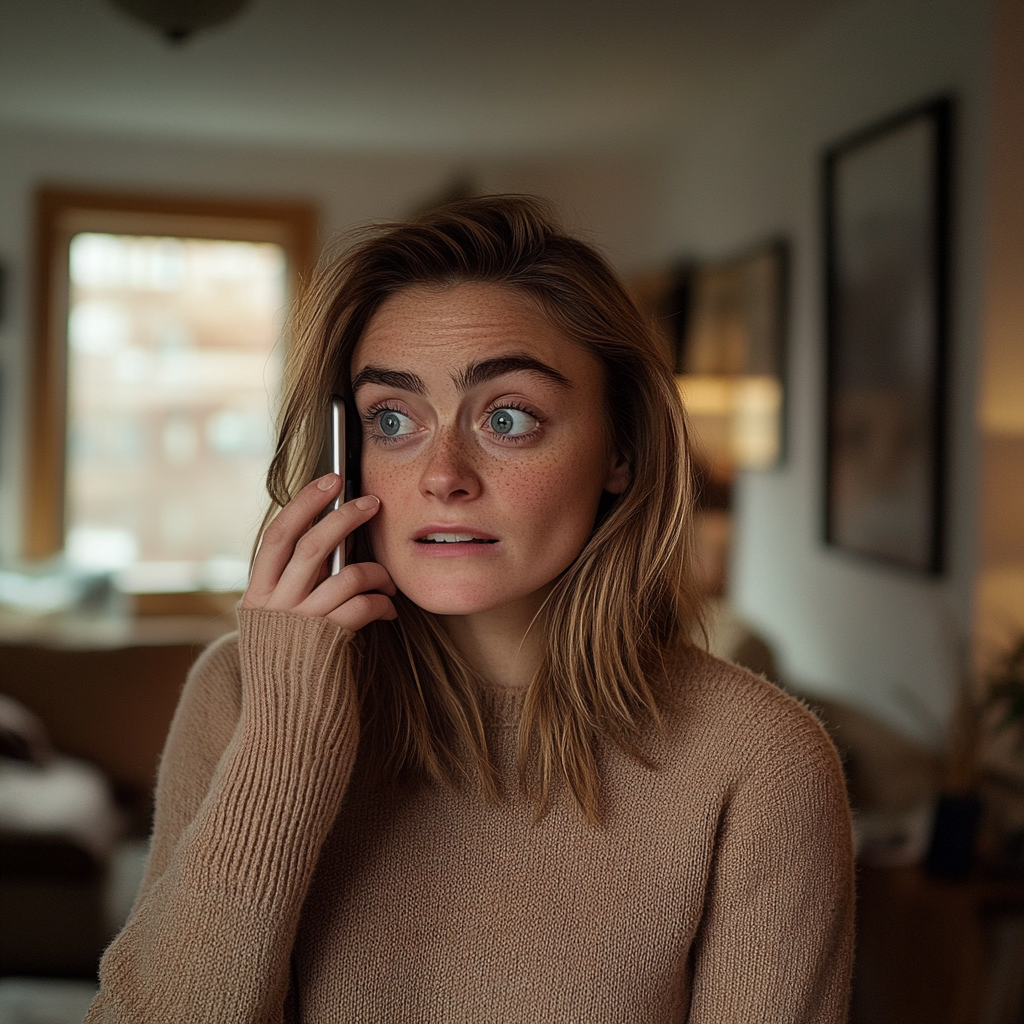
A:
(482, 774)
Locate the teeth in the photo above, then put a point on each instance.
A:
(449, 538)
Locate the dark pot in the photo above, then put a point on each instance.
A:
(954, 836)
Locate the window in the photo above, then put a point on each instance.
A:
(158, 357)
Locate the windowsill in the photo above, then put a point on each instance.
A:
(201, 603)
(113, 628)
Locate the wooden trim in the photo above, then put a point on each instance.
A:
(44, 512)
(61, 213)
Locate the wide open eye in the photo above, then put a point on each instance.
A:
(511, 422)
(394, 424)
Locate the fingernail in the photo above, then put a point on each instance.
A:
(366, 502)
(325, 483)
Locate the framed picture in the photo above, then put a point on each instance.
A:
(724, 327)
(736, 319)
(887, 199)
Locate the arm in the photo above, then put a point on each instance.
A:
(211, 933)
(255, 769)
(776, 942)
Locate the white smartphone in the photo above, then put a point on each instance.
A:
(339, 465)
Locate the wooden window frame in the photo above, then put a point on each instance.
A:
(60, 214)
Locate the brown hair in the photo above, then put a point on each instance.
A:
(629, 600)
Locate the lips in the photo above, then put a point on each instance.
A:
(453, 535)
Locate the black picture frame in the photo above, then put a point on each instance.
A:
(887, 195)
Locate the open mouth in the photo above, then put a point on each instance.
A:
(454, 538)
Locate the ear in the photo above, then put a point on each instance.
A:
(618, 475)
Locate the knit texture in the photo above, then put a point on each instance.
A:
(285, 884)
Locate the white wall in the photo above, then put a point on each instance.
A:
(750, 167)
(608, 197)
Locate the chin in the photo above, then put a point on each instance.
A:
(454, 601)
(442, 593)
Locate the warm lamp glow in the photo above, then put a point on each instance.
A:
(736, 419)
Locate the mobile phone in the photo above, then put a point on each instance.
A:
(340, 463)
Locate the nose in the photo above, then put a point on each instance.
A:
(450, 473)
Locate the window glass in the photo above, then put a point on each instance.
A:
(173, 364)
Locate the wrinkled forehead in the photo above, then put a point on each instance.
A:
(433, 329)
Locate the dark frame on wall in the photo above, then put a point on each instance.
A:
(887, 198)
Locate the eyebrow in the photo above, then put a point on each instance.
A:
(389, 379)
(470, 377)
(488, 369)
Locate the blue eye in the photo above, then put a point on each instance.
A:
(511, 422)
(393, 424)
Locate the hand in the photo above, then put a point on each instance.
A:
(290, 574)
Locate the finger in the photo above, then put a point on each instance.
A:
(358, 578)
(302, 572)
(278, 542)
(363, 609)
(324, 573)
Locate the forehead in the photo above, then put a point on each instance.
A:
(431, 328)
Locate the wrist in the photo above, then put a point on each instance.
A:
(295, 671)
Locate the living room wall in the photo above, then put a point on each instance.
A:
(882, 638)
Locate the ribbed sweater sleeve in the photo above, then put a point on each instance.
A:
(250, 784)
(776, 942)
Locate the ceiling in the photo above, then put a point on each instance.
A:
(465, 76)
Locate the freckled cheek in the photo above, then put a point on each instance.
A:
(381, 479)
(389, 484)
(554, 491)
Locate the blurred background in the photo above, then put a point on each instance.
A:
(794, 191)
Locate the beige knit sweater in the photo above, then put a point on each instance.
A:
(283, 885)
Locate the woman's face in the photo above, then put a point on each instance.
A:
(484, 437)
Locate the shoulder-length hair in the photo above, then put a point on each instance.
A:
(628, 603)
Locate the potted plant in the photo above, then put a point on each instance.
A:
(1006, 690)
(958, 813)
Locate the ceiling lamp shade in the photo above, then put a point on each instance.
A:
(176, 20)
